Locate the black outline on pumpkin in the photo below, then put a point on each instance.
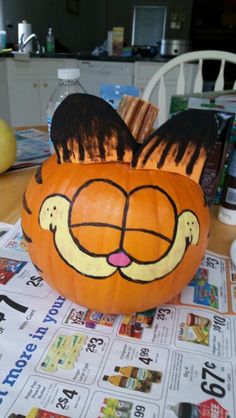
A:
(85, 251)
(122, 228)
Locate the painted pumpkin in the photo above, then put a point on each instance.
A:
(112, 226)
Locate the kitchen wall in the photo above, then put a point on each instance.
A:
(75, 31)
(87, 29)
(218, 29)
(178, 17)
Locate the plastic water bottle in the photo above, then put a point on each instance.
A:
(68, 84)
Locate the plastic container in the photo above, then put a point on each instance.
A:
(68, 84)
(3, 39)
(50, 41)
(113, 93)
(227, 210)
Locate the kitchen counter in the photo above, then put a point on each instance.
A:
(90, 57)
(35, 55)
(103, 57)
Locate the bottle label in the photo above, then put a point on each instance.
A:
(52, 149)
(231, 196)
(49, 125)
(50, 46)
(142, 374)
(232, 165)
(132, 384)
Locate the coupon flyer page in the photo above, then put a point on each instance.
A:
(62, 360)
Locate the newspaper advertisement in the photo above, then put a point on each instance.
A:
(32, 148)
(62, 360)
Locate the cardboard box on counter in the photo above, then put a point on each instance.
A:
(117, 40)
(215, 100)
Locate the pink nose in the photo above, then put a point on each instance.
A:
(119, 259)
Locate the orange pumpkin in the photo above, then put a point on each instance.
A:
(103, 230)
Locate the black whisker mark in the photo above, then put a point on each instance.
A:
(38, 175)
(37, 268)
(26, 237)
(25, 205)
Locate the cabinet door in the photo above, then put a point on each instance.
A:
(30, 86)
(24, 102)
(47, 87)
(143, 71)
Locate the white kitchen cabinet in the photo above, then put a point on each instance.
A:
(95, 73)
(143, 71)
(25, 86)
(24, 102)
(28, 101)
(30, 84)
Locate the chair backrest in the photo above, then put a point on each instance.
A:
(197, 57)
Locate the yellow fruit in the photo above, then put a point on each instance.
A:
(7, 146)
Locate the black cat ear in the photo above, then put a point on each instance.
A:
(180, 145)
(86, 129)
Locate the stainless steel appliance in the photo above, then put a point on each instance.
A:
(174, 47)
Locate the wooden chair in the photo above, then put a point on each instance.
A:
(197, 57)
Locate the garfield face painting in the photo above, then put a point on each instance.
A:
(113, 225)
(58, 215)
